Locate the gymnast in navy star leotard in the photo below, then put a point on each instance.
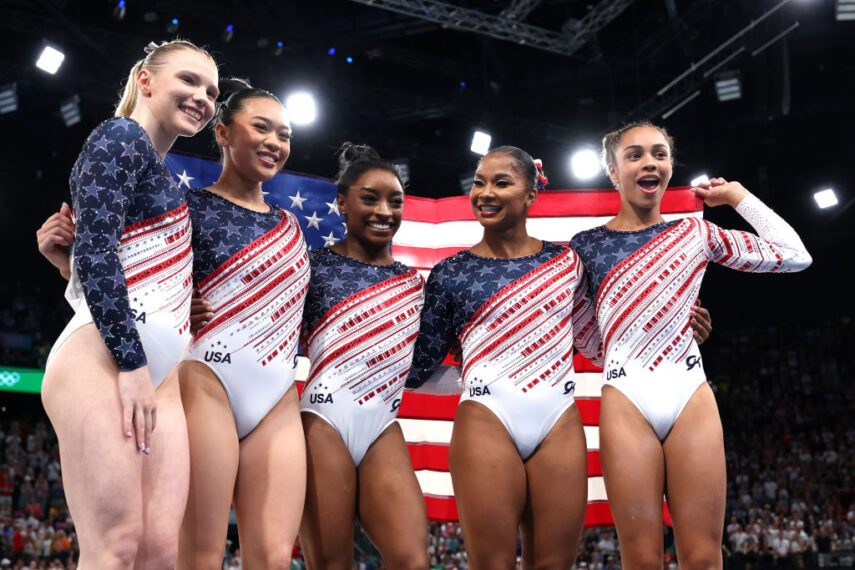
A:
(361, 322)
(130, 285)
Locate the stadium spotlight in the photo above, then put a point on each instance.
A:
(727, 86)
(172, 26)
(301, 107)
(480, 143)
(119, 10)
(8, 98)
(845, 10)
(701, 179)
(331, 51)
(279, 48)
(70, 111)
(825, 198)
(228, 33)
(585, 164)
(50, 60)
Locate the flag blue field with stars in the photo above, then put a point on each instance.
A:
(311, 199)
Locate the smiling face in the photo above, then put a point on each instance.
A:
(258, 141)
(180, 95)
(642, 166)
(373, 206)
(501, 195)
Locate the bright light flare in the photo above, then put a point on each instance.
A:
(301, 108)
(480, 143)
(50, 60)
(698, 180)
(585, 164)
(825, 198)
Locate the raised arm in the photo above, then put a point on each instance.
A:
(776, 249)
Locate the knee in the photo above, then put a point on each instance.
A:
(119, 548)
(276, 557)
(701, 560)
(162, 553)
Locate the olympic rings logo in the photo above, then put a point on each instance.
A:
(9, 379)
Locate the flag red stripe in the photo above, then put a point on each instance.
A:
(549, 204)
(434, 457)
(429, 407)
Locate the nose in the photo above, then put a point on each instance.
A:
(383, 209)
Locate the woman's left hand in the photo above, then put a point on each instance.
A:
(719, 191)
(701, 322)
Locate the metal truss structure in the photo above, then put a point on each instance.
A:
(507, 28)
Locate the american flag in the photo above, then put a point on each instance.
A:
(432, 230)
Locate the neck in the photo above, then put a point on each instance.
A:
(507, 242)
(160, 139)
(361, 251)
(232, 186)
(631, 217)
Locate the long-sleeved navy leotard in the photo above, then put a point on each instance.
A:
(131, 256)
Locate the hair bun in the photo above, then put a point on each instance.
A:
(229, 86)
(352, 152)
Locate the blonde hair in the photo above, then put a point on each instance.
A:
(154, 60)
(611, 140)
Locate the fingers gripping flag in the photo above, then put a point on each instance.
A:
(432, 230)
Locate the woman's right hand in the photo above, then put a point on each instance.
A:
(139, 407)
(55, 239)
(201, 312)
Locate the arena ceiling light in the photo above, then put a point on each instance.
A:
(301, 108)
(585, 164)
(845, 10)
(70, 111)
(50, 60)
(700, 179)
(825, 198)
(727, 86)
(8, 98)
(480, 143)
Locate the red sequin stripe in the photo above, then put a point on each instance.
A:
(357, 298)
(180, 212)
(162, 266)
(513, 286)
(255, 244)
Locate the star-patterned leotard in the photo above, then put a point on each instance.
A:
(362, 320)
(132, 259)
(253, 269)
(645, 283)
(516, 320)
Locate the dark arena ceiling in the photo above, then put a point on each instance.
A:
(549, 76)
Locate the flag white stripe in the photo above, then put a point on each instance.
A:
(438, 484)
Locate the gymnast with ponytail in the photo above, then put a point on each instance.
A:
(110, 387)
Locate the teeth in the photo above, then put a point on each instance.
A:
(195, 114)
(492, 209)
(380, 226)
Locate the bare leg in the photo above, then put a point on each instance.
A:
(391, 505)
(271, 486)
(166, 475)
(102, 470)
(557, 495)
(634, 471)
(697, 480)
(489, 484)
(326, 532)
(213, 468)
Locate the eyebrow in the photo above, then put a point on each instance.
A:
(370, 189)
(269, 122)
(639, 147)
